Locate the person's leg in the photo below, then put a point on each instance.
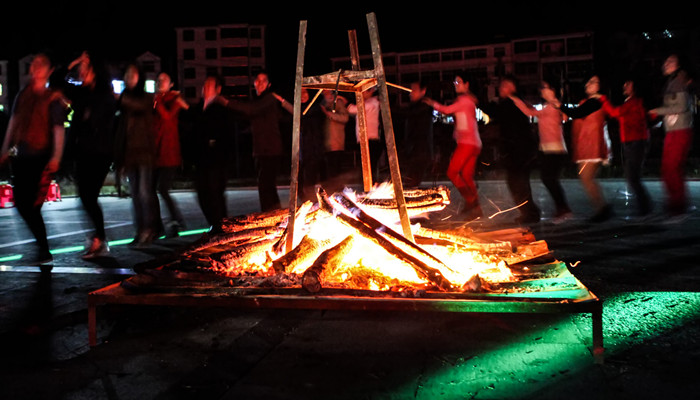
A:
(550, 170)
(634, 153)
(588, 173)
(166, 176)
(675, 153)
(29, 195)
(90, 176)
(267, 188)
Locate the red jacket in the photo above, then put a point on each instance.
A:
(632, 117)
(166, 127)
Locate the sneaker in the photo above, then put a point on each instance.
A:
(98, 248)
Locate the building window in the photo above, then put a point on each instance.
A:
(579, 46)
(256, 52)
(228, 52)
(499, 51)
(525, 46)
(234, 33)
(211, 53)
(190, 73)
(188, 54)
(455, 55)
(409, 59)
(255, 33)
(476, 53)
(188, 35)
(210, 34)
(427, 58)
(552, 48)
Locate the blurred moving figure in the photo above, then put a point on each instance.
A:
(34, 146)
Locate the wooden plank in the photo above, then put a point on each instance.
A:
(294, 183)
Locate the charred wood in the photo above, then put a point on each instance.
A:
(330, 258)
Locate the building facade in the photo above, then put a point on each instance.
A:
(233, 52)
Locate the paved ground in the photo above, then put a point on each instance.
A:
(646, 273)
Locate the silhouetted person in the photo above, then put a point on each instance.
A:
(418, 137)
(374, 137)
(212, 135)
(553, 154)
(34, 146)
(677, 111)
(591, 146)
(334, 107)
(518, 149)
(264, 113)
(634, 137)
(136, 153)
(168, 104)
(92, 129)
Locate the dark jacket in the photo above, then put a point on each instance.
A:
(264, 114)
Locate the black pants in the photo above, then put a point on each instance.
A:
(312, 171)
(163, 181)
(268, 168)
(90, 173)
(634, 154)
(551, 165)
(210, 183)
(30, 186)
(518, 182)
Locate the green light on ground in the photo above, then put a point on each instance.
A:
(13, 257)
(68, 250)
(193, 232)
(513, 361)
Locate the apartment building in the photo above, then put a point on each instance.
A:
(566, 57)
(235, 52)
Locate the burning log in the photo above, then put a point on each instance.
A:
(302, 255)
(255, 220)
(233, 238)
(415, 198)
(243, 254)
(431, 274)
(356, 211)
(418, 202)
(330, 258)
(431, 236)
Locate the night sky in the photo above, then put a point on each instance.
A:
(130, 29)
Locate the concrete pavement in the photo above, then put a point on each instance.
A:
(645, 271)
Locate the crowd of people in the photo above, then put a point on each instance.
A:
(137, 134)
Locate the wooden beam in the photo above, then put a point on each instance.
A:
(296, 133)
(392, 156)
(362, 122)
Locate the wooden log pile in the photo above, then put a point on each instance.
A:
(252, 247)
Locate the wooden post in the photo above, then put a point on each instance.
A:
(296, 133)
(361, 119)
(392, 155)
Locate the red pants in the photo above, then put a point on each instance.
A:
(461, 172)
(675, 153)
